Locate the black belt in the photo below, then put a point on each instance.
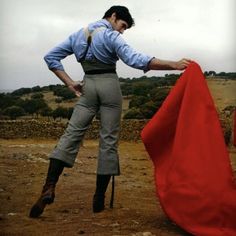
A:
(94, 72)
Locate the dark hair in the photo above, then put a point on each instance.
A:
(122, 13)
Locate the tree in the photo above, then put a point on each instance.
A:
(60, 112)
(46, 112)
(14, 111)
(36, 89)
(211, 73)
(65, 93)
(37, 96)
(222, 74)
(126, 89)
(148, 109)
(33, 106)
(54, 87)
(21, 91)
(144, 107)
(142, 88)
(6, 100)
(158, 95)
(133, 113)
(137, 101)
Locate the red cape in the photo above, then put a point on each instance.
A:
(194, 178)
(234, 141)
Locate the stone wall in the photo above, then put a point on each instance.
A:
(130, 129)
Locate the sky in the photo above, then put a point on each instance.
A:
(202, 30)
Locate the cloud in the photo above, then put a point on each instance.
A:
(202, 30)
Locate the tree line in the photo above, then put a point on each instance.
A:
(146, 94)
(13, 105)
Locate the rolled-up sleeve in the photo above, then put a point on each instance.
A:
(129, 56)
(54, 56)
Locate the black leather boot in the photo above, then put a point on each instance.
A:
(99, 196)
(48, 193)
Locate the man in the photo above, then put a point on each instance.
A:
(97, 47)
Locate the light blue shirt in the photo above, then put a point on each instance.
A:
(107, 46)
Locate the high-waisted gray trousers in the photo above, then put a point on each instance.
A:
(101, 92)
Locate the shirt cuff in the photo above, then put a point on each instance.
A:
(147, 67)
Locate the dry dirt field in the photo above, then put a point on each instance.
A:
(136, 210)
(223, 92)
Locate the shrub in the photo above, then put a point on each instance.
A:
(21, 91)
(65, 93)
(37, 96)
(36, 89)
(137, 101)
(14, 111)
(60, 112)
(33, 106)
(148, 109)
(133, 113)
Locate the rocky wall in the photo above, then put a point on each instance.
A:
(130, 129)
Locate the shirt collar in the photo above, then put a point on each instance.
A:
(106, 23)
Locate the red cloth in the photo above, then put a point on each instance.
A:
(234, 128)
(194, 178)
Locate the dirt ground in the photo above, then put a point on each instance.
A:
(136, 210)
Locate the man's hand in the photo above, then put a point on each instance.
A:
(76, 87)
(182, 64)
(158, 64)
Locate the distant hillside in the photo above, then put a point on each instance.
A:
(142, 97)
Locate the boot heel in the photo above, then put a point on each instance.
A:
(98, 203)
(47, 197)
(48, 193)
(36, 211)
